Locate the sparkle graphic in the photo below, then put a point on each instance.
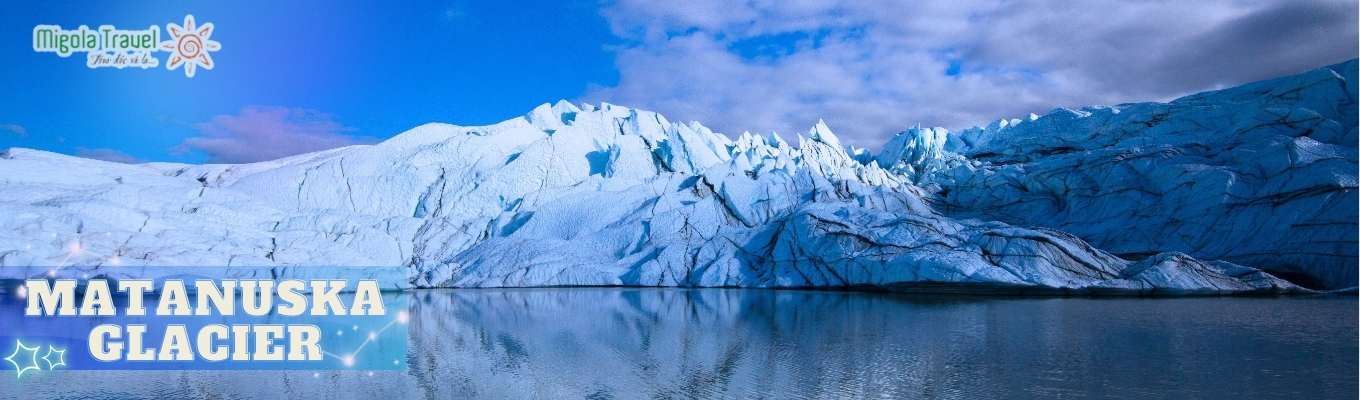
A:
(348, 360)
(61, 357)
(32, 356)
(190, 46)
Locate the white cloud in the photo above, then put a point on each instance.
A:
(261, 133)
(872, 68)
(18, 130)
(108, 155)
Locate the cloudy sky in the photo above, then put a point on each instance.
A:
(871, 68)
(310, 76)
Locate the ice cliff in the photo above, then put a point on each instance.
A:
(1262, 175)
(1193, 196)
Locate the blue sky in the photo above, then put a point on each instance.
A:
(307, 75)
(377, 70)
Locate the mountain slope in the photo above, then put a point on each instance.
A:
(1261, 175)
(591, 196)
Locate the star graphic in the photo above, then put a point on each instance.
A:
(190, 46)
(61, 357)
(26, 349)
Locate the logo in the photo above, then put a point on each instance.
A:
(109, 46)
(190, 47)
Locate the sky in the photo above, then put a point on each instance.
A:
(300, 76)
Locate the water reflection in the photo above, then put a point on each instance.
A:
(634, 343)
(603, 343)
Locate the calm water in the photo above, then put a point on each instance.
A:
(719, 343)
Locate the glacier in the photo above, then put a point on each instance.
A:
(1215, 193)
(1261, 175)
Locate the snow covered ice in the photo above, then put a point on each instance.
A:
(1211, 193)
(1262, 175)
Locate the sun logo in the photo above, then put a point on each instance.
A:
(190, 46)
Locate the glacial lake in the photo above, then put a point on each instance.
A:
(602, 343)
